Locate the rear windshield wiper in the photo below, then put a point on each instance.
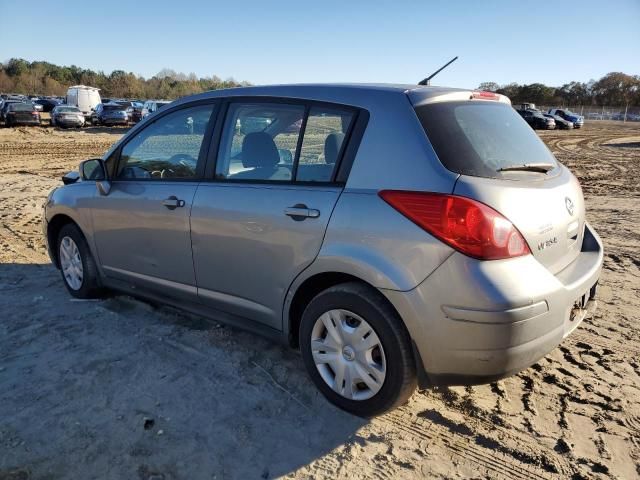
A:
(529, 167)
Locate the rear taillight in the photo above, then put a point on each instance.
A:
(470, 227)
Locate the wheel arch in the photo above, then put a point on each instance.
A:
(300, 295)
(55, 224)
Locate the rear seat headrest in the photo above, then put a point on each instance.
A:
(332, 145)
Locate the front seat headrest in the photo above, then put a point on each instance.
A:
(259, 151)
(332, 145)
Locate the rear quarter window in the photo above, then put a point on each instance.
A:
(478, 138)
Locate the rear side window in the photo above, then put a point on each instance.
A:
(259, 141)
(479, 138)
(262, 141)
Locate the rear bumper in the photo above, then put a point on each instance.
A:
(477, 321)
(69, 123)
(17, 121)
(114, 121)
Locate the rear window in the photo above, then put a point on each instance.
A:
(21, 107)
(110, 108)
(479, 138)
(68, 109)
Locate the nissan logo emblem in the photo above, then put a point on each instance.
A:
(569, 204)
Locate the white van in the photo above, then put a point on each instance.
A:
(83, 97)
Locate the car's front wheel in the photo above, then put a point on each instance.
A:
(357, 350)
(78, 268)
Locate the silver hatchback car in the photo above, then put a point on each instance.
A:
(397, 235)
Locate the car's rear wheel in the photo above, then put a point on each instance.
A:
(77, 266)
(357, 350)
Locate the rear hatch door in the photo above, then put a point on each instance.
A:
(503, 163)
(549, 213)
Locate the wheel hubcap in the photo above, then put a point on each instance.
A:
(348, 354)
(71, 263)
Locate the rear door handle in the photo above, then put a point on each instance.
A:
(173, 202)
(301, 211)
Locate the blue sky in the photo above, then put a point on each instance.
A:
(272, 41)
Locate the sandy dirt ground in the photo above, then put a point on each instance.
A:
(122, 389)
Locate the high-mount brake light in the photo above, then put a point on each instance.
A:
(471, 227)
(481, 95)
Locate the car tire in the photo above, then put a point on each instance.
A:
(73, 242)
(392, 359)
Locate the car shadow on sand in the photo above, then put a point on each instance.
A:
(126, 389)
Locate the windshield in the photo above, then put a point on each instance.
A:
(479, 138)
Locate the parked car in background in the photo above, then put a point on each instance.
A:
(5, 106)
(537, 120)
(83, 97)
(48, 104)
(561, 123)
(136, 115)
(464, 260)
(151, 106)
(21, 113)
(67, 116)
(36, 106)
(577, 120)
(129, 107)
(110, 114)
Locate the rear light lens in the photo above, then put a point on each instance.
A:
(470, 227)
(480, 95)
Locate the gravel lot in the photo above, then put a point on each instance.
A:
(120, 388)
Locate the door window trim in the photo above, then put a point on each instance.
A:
(348, 149)
(204, 147)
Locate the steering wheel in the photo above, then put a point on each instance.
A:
(184, 159)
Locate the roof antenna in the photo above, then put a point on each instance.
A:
(427, 81)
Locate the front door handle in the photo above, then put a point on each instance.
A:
(173, 202)
(300, 211)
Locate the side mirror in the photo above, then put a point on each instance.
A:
(95, 170)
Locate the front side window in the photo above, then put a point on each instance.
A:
(169, 148)
(259, 141)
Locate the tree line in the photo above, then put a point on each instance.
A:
(43, 78)
(614, 89)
